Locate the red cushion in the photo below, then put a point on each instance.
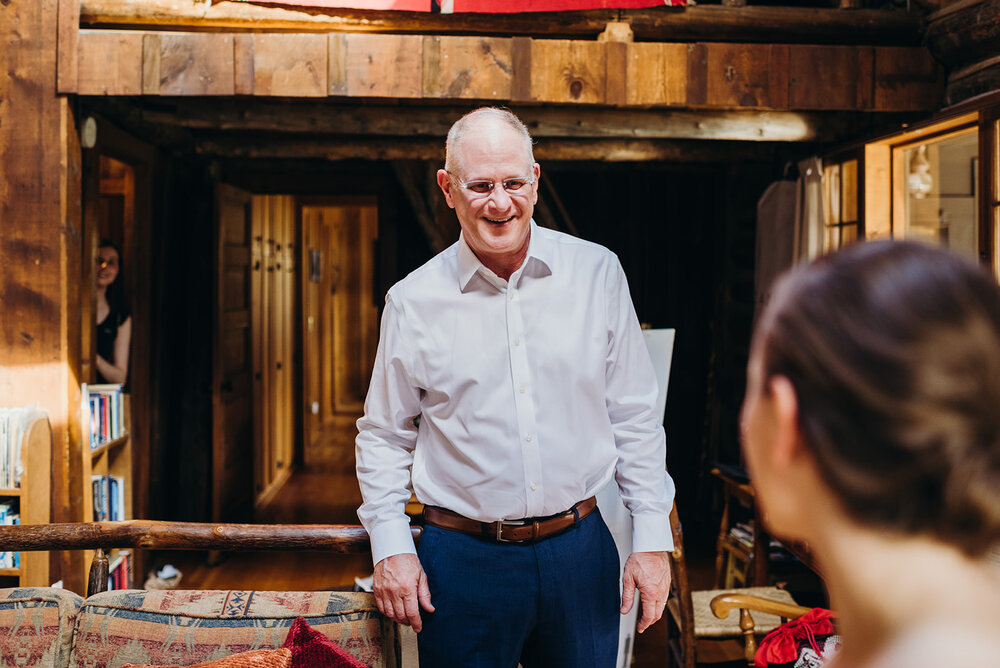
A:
(312, 649)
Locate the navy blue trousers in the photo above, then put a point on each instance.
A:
(550, 604)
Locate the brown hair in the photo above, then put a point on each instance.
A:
(894, 352)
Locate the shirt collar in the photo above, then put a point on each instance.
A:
(538, 261)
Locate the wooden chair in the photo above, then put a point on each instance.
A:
(696, 635)
(723, 604)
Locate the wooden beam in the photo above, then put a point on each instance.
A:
(40, 248)
(155, 535)
(575, 72)
(604, 150)
(381, 121)
(964, 33)
(702, 22)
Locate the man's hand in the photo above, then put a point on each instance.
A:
(649, 572)
(399, 585)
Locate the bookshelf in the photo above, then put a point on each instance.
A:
(29, 496)
(107, 467)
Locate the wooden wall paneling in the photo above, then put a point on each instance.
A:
(290, 65)
(825, 77)
(741, 75)
(243, 69)
(430, 67)
(67, 57)
(337, 63)
(259, 259)
(110, 63)
(615, 72)
(311, 257)
(384, 65)
(469, 67)
(196, 64)
(232, 392)
(151, 51)
(907, 79)
(656, 74)
(40, 188)
(520, 90)
(283, 353)
(568, 71)
(697, 75)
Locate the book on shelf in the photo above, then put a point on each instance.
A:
(106, 413)
(9, 515)
(14, 422)
(120, 571)
(109, 498)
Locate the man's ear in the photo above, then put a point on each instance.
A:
(537, 173)
(788, 437)
(444, 182)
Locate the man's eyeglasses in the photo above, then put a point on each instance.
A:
(484, 187)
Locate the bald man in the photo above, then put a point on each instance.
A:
(511, 384)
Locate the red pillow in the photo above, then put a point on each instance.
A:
(312, 649)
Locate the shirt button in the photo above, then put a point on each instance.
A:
(513, 296)
(528, 438)
(522, 389)
(517, 341)
(534, 486)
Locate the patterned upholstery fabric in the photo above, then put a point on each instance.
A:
(185, 627)
(36, 626)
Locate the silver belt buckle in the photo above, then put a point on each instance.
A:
(510, 523)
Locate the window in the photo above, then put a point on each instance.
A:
(840, 204)
(936, 181)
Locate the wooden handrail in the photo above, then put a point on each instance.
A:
(156, 535)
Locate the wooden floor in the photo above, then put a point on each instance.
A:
(327, 492)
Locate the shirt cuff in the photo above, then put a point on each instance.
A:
(651, 533)
(391, 538)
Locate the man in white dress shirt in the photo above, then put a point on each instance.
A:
(511, 384)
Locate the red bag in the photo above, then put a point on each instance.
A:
(806, 642)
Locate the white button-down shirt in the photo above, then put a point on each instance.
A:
(531, 394)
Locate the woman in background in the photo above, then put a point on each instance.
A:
(871, 427)
(114, 322)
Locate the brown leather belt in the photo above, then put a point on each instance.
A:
(510, 531)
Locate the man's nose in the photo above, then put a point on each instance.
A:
(499, 196)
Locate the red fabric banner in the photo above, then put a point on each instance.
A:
(398, 5)
(514, 6)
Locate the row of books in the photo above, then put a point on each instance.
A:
(13, 424)
(9, 516)
(120, 571)
(109, 498)
(107, 413)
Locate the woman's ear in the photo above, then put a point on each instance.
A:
(787, 436)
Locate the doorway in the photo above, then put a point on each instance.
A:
(339, 321)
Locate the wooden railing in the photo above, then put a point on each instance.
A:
(154, 535)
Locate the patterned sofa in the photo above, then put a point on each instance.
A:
(48, 627)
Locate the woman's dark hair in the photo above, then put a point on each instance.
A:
(115, 292)
(893, 349)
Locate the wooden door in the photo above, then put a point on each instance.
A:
(232, 440)
(340, 320)
(273, 314)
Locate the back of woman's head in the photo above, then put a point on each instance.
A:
(894, 352)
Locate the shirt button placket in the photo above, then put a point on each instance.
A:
(520, 376)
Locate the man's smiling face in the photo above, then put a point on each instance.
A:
(496, 226)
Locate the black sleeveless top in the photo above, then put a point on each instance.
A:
(107, 332)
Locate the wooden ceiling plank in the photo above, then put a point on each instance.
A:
(375, 121)
(290, 65)
(109, 63)
(568, 71)
(656, 74)
(384, 66)
(474, 68)
(604, 150)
